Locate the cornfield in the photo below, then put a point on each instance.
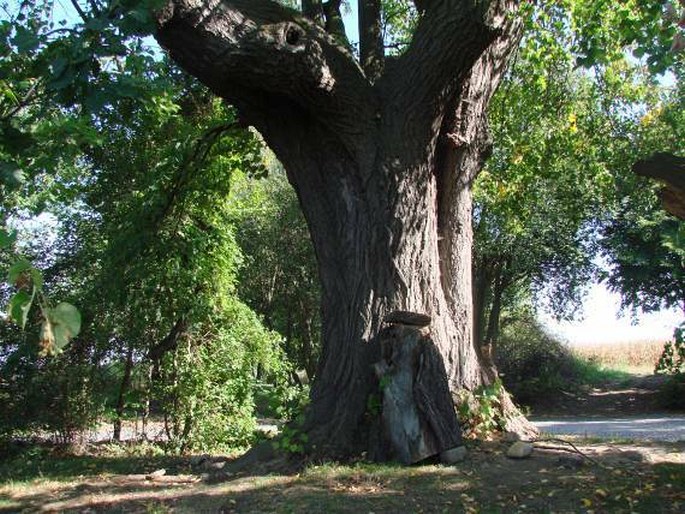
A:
(639, 356)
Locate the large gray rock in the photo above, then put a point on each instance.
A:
(520, 450)
(453, 455)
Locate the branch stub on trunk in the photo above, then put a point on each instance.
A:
(415, 319)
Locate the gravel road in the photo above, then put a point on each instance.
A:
(654, 427)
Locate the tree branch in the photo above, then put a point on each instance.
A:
(371, 39)
(169, 343)
(313, 9)
(256, 53)
(450, 38)
(669, 169)
(334, 21)
(462, 147)
(79, 10)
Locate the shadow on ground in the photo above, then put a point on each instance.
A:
(620, 478)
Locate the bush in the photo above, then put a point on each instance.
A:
(532, 363)
(672, 363)
(56, 395)
(672, 360)
(283, 401)
(672, 392)
(480, 412)
(207, 385)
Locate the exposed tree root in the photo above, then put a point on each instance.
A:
(573, 449)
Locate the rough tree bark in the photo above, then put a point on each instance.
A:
(669, 169)
(418, 418)
(382, 158)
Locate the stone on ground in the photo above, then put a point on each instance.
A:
(520, 450)
(453, 455)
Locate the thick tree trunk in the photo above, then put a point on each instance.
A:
(382, 166)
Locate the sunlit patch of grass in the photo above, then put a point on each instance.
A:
(592, 373)
(54, 463)
(8, 504)
(376, 473)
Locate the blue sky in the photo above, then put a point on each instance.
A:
(350, 19)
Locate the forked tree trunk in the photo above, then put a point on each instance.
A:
(382, 166)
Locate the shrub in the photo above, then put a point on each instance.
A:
(672, 360)
(56, 395)
(480, 412)
(207, 385)
(532, 363)
(672, 392)
(672, 363)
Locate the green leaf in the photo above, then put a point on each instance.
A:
(14, 141)
(36, 278)
(19, 307)
(17, 269)
(58, 66)
(64, 78)
(11, 176)
(7, 238)
(66, 323)
(25, 40)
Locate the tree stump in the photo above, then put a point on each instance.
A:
(418, 417)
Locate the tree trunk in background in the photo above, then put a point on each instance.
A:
(492, 333)
(123, 389)
(382, 166)
(481, 294)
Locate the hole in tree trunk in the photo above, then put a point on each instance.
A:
(293, 35)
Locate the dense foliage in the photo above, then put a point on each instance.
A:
(133, 163)
(279, 278)
(558, 191)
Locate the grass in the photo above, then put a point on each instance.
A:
(592, 373)
(58, 464)
(112, 478)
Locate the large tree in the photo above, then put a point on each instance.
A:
(381, 152)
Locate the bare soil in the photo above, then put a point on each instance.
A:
(637, 395)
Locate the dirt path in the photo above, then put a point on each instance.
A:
(624, 409)
(635, 396)
(652, 428)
